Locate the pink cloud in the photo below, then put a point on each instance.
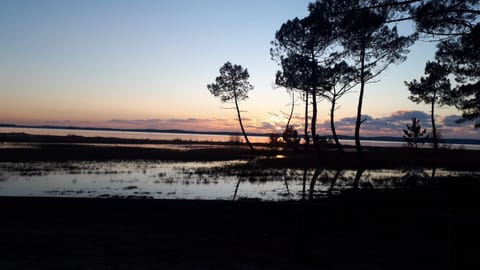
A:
(394, 124)
(391, 125)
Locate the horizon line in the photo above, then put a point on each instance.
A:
(182, 131)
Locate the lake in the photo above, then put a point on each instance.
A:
(128, 134)
(197, 137)
(223, 180)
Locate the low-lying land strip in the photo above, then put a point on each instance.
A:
(65, 148)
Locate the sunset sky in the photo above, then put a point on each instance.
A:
(146, 64)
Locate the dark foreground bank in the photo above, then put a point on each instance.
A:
(433, 228)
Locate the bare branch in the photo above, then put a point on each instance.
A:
(372, 81)
(382, 5)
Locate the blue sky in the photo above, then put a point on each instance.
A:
(146, 64)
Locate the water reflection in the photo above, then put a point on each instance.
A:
(358, 176)
(226, 180)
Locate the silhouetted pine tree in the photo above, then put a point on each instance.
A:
(232, 84)
(414, 134)
(434, 89)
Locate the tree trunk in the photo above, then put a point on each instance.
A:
(434, 129)
(241, 124)
(360, 100)
(314, 121)
(288, 122)
(307, 139)
(314, 103)
(332, 125)
(291, 111)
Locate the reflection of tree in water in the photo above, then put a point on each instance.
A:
(417, 176)
(327, 178)
(358, 176)
(236, 189)
(315, 183)
(254, 174)
(310, 184)
(334, 181)
(327, 183)
(304, 183)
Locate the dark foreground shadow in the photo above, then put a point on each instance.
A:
(426, 228)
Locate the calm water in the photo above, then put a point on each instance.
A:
(196, 137)
(129, 134)
(196, 180)
(225, 180)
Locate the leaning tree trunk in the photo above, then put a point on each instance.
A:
(291, 111)
(241, 124)
(434, 129)
(358, 146)
(332, 125)
(290, 119)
